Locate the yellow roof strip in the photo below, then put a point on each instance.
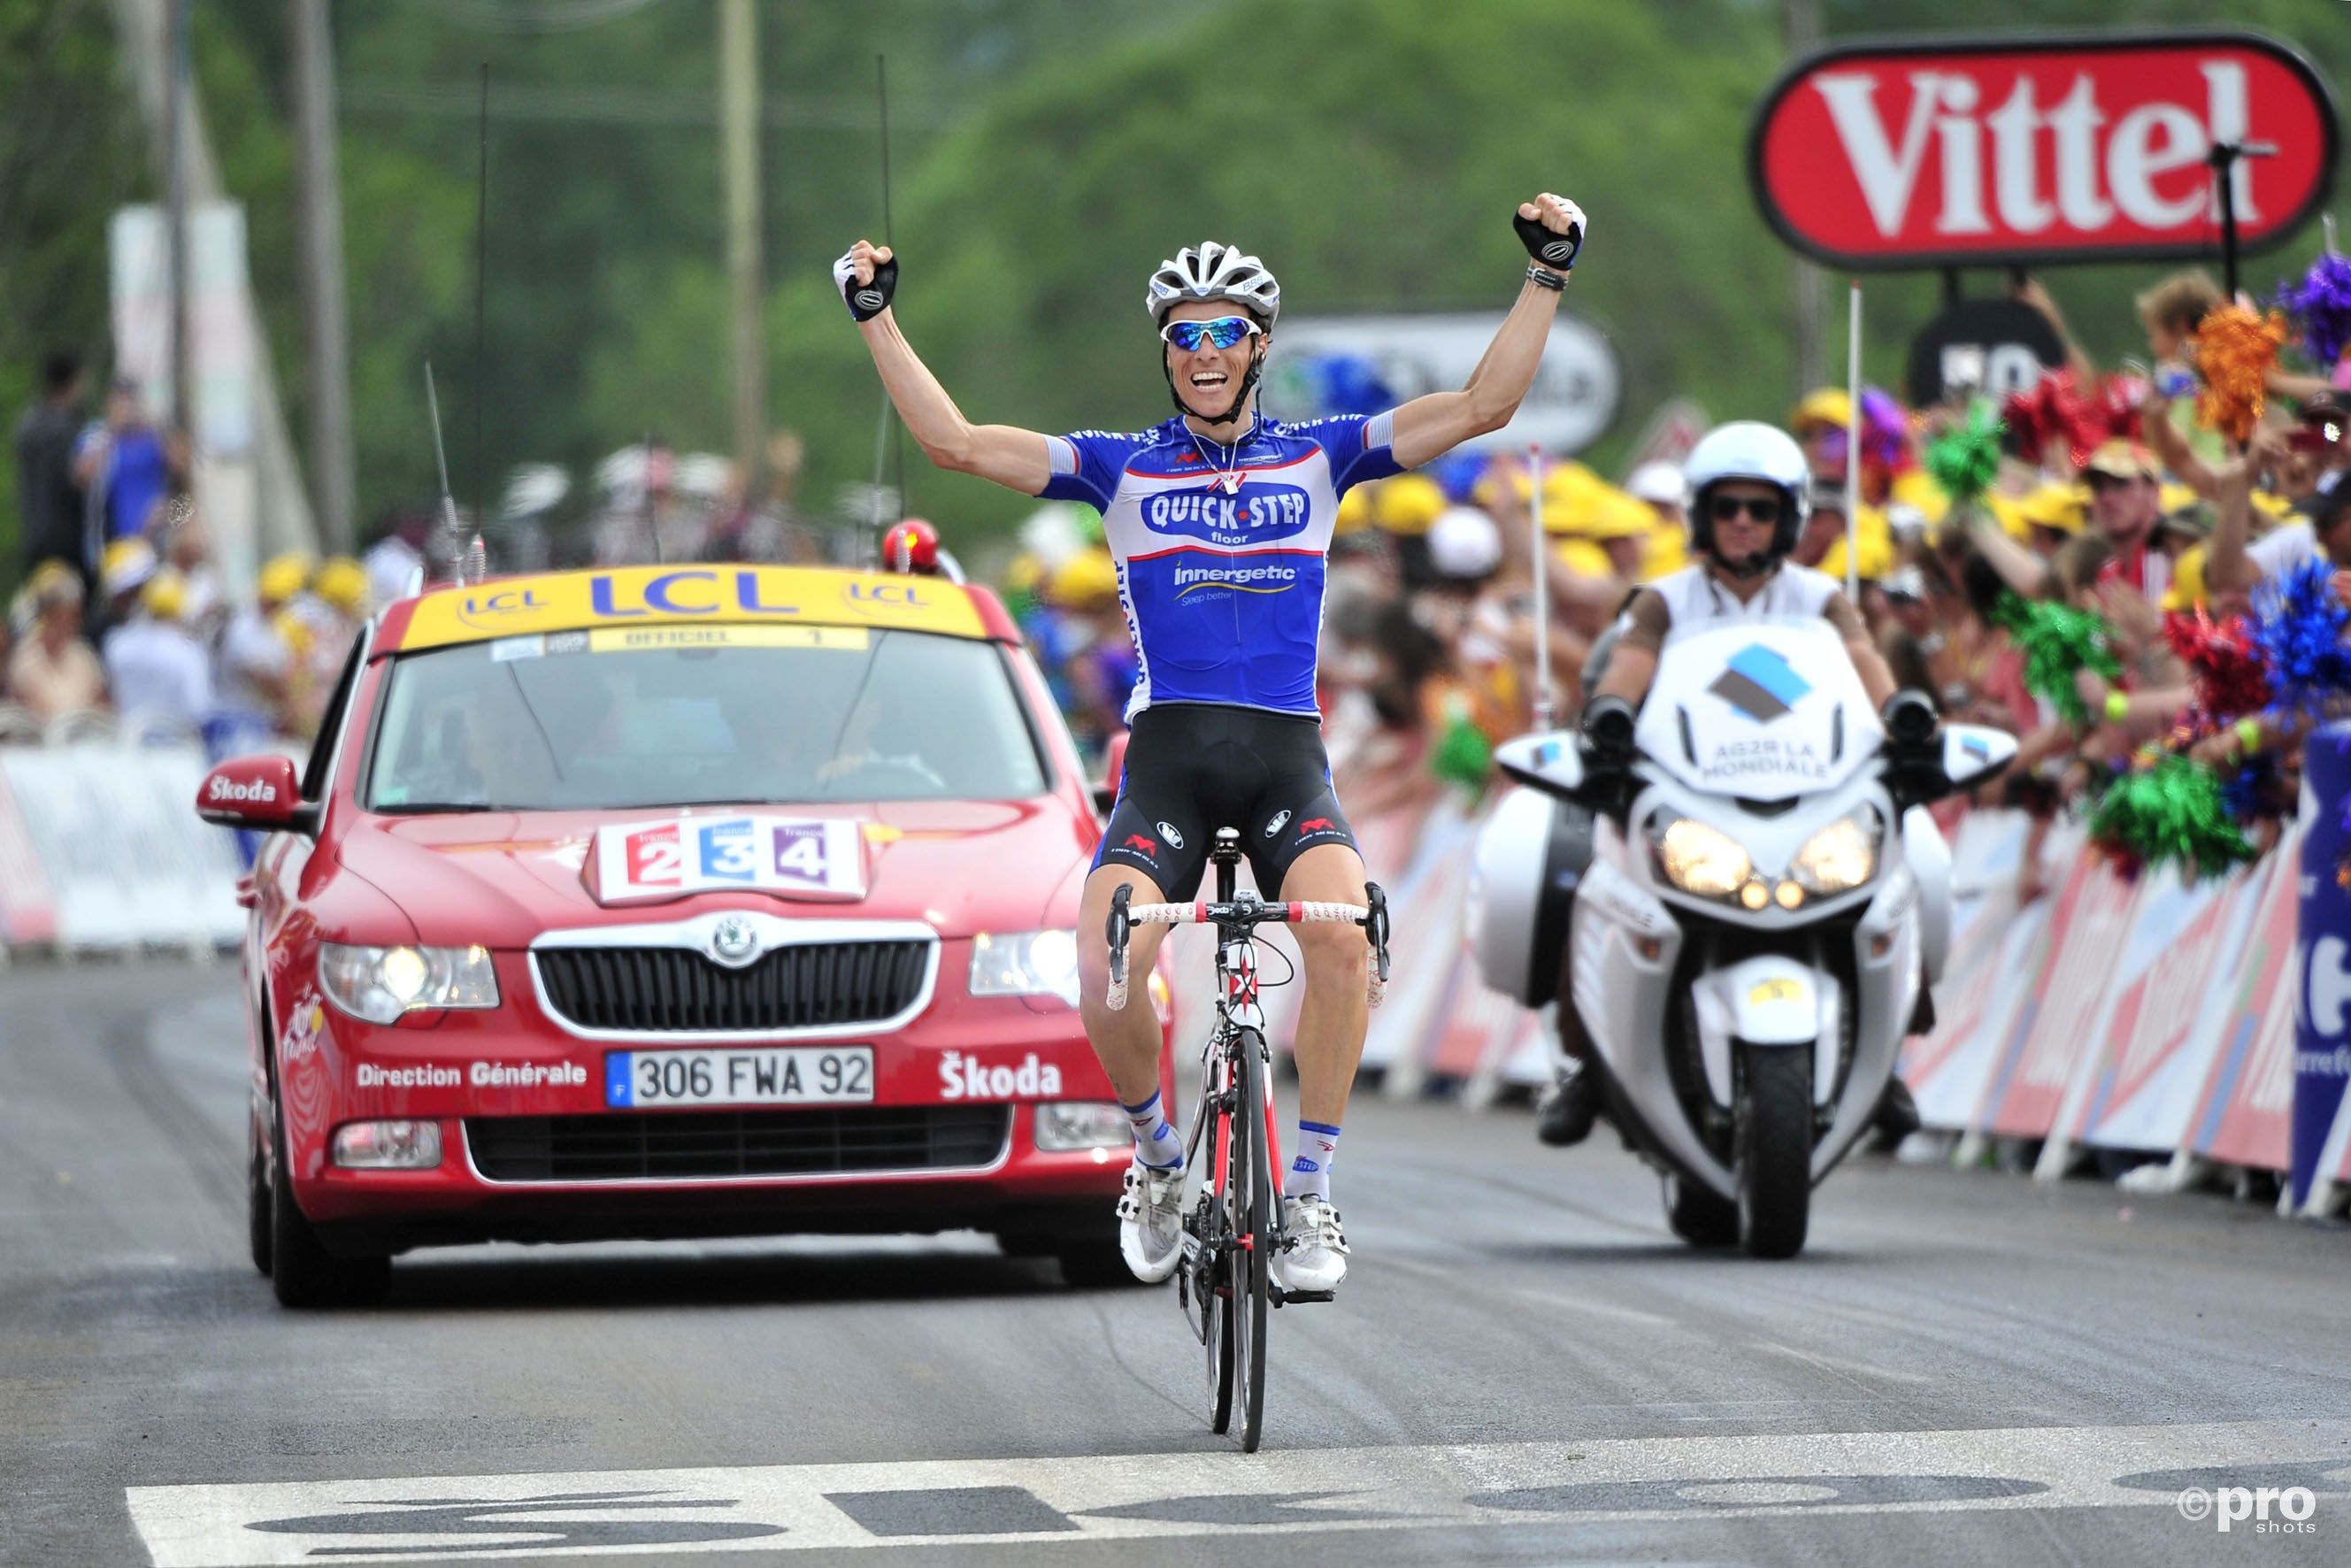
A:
(638, 596)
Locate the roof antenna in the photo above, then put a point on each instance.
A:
(897, 441)
(442, 542)
(477, 561)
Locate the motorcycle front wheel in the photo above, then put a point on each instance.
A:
(1771, 1149)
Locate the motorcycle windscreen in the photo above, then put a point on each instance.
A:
(1765, 709)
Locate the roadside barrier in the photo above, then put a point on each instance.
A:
(100, 850)
(2142, 1018)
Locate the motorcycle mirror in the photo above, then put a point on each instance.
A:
(1974, 752)
(1546, 761)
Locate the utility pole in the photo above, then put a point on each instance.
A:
(738, 150)
(175, 208)
(318, 231)
(1804, 26)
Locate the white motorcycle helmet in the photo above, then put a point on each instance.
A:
(1749, 449)
(1214, 271)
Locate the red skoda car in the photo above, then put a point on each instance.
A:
(663, 901)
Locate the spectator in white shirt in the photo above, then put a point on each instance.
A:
(154, 663)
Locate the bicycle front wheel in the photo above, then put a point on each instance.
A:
(1250, 1179)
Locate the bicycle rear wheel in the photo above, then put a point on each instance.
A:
(1251, 1180)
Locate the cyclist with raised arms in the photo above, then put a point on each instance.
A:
(1219, 519)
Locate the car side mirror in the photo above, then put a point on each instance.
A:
(1113, 767)
(1549, 762)
(259, 793)
(1974, 752)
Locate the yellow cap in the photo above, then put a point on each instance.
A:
(1408, 503)
(1917, 487)
(1087, 581)
(1610, 514)
(282, 577)
(2188, 590)
(2052, 505)
(2275, 505)
(1822, 406)
(54, 582)
(1355, 511)
(1665, 550)
(343, 584)
(165, 595)
(1025, 575)
(1877, 539)
(1582, 557)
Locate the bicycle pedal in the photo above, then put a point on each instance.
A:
(1282, 1297)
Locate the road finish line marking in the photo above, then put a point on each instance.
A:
(974, 1502)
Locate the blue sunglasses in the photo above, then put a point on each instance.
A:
(1223, 332)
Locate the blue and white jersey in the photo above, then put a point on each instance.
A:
(1222, 576)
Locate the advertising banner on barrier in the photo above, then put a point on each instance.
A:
(2245, 1113)
(29, 910)
(2174, 993)
(2322, 1051)
(1950, 1070)
(2085, 934)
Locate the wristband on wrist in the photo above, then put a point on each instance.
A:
(1545, 278)
(2248, 736)
(2118, 707)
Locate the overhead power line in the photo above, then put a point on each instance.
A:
(624, 105)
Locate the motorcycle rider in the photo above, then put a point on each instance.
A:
(1749, 486)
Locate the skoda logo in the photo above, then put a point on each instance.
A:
(734, 942)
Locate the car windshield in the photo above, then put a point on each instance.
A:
(678, 715)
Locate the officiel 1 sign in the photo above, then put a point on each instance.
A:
(1996, 151)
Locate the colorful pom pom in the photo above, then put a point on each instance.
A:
(2172, 812)
(2056, 641)
(2321, 306)
(1965, 459)
(1885, 431)
(2235, 350)
(2298, 630)
(2231, 678)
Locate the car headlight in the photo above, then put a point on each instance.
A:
(1028, 964)
(379, 984)
(1063, 1125)
(1841, 856)
(1702, 860)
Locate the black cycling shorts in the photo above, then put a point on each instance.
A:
(1193, 767)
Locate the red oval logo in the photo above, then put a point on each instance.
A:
(1980, 150)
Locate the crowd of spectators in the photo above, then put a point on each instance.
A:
(1428, 655)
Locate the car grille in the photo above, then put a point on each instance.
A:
(825, 1140)
(676, 990)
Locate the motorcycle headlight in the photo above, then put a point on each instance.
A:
(1841, 856)
(1702, 860)
(1028, 964)
(379, 984)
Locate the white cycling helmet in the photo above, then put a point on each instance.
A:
(1214, 271)
(1749, 449)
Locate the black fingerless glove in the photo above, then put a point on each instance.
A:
(1607, 731)
(865, 301)
(1556, 251)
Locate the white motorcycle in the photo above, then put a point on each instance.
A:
(1741, 915)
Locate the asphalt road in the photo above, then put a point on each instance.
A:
(1963, 1368)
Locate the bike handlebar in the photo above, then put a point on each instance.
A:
(1246, 913)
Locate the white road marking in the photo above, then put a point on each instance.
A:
(947, 1502)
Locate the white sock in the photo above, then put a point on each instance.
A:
(1310, 1169)
(1155, 1144)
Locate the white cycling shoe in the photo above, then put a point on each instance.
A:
(1151, 1222)
(1315, 1258)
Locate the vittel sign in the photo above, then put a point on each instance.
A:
(1954, 150)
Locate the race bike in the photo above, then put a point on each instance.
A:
(1739, 905)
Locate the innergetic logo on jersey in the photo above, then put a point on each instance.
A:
(1261, 512)
(1191, 580)
(1760, 684)
(1168, 831)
